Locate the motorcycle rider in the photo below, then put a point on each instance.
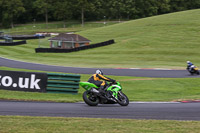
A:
(190, 66)
(95, 79)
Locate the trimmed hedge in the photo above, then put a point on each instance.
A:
(56, 50)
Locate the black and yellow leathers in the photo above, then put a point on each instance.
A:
(96, 79)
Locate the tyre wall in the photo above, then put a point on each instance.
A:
(26, 37)
(12, 43)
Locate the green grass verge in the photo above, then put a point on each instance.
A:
(165, 41)
(24, 124)
(136, 88)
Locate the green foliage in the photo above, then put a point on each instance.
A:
(86, 10)
(10, 11)
(63, 10)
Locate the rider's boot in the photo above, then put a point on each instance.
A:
(101, 90)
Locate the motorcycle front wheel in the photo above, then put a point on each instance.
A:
(122, 99)
(90, 99)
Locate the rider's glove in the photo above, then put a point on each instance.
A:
(114, 82)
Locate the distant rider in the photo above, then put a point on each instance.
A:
(190, 65)
(95, 79)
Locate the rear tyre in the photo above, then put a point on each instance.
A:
(90, 99)
(122, 99)
(197, 72)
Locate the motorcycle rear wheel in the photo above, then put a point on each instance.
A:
(197, 72)
(90, 99)
(122, 99)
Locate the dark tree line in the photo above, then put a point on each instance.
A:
(24, 11)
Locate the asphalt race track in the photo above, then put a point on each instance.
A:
(159, 111)
(162, 111)
(118, 72)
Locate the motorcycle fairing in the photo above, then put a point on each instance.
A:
(87, 85)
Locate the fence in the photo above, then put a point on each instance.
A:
(62, 83)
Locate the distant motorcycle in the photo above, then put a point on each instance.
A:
(113, 94)
(193, 70)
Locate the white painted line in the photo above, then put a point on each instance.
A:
(147, 102)
(155, 102)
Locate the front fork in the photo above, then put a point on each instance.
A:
(115, 95)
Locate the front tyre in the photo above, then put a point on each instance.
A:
(90, 99)
(122, 99)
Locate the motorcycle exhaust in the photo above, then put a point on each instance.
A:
(94, 90)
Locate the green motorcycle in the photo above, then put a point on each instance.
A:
(113, 94)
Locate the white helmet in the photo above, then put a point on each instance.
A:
(99, 72)
(188, 61)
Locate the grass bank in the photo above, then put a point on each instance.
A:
(13, 124)
(58, 26)
(164, 41)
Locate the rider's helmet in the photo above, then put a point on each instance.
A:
(99, 72)
(188, 62)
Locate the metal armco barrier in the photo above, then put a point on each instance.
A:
(62, 83)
